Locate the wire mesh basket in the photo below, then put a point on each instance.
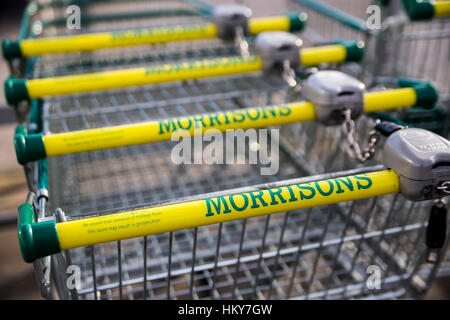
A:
(156, 31)
(411, 40)
(335, 250)
(321, 252)
(47, 20)
(49, 48)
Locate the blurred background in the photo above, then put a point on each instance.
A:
(16, 277)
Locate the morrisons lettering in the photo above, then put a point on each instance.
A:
(278, 196)
(166, 31)
(223, 118)
(210, 64)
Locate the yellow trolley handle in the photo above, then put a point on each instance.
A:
(30, 147)
(426, 10)
(40, 239)
(442, 9)
(17, 90)
(292, 22)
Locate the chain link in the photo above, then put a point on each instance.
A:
(288, 75)
(353, 147)
(241, 42)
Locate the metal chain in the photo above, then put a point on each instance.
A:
(241, 42)
(288, 75)
(353, 147)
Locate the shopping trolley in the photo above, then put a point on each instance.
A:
(411, 41)
(414, 41)
(81, 183)
(93, 183)
(227, 244)
(219, 32)
(49, 19)
(330, 95)
(279, 54)
(207, 34)
(19, 90)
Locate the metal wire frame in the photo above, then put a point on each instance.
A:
(421, 51)
(106, 15)
(84, 62)
(322, 28)
(103, 16)
(401, 48)
(102, 60)
(316, 253)
(327, 259)
(152, 103)
(95, 182)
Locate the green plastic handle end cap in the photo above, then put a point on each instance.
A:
(15, 90)
(11, 49)
(28, 147)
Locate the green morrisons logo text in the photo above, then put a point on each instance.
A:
(209, 64)
(162, 31)
(223, 118)
(305, 191)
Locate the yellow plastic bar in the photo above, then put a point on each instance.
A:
(389, 99)
(39, 88)
(137, 223)
(155, 131)
(278, 23)
(324, 54)
(155, 35)
(442, 9)
(104, 40)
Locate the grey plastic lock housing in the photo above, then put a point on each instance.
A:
(275, 47)
(421, 159)
(332, 92)
(229, 17)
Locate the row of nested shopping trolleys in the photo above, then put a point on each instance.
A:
(335, 220)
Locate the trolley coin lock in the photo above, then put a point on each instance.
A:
(229, 18)
(278, 51)
(334, 92)
(422, 161)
